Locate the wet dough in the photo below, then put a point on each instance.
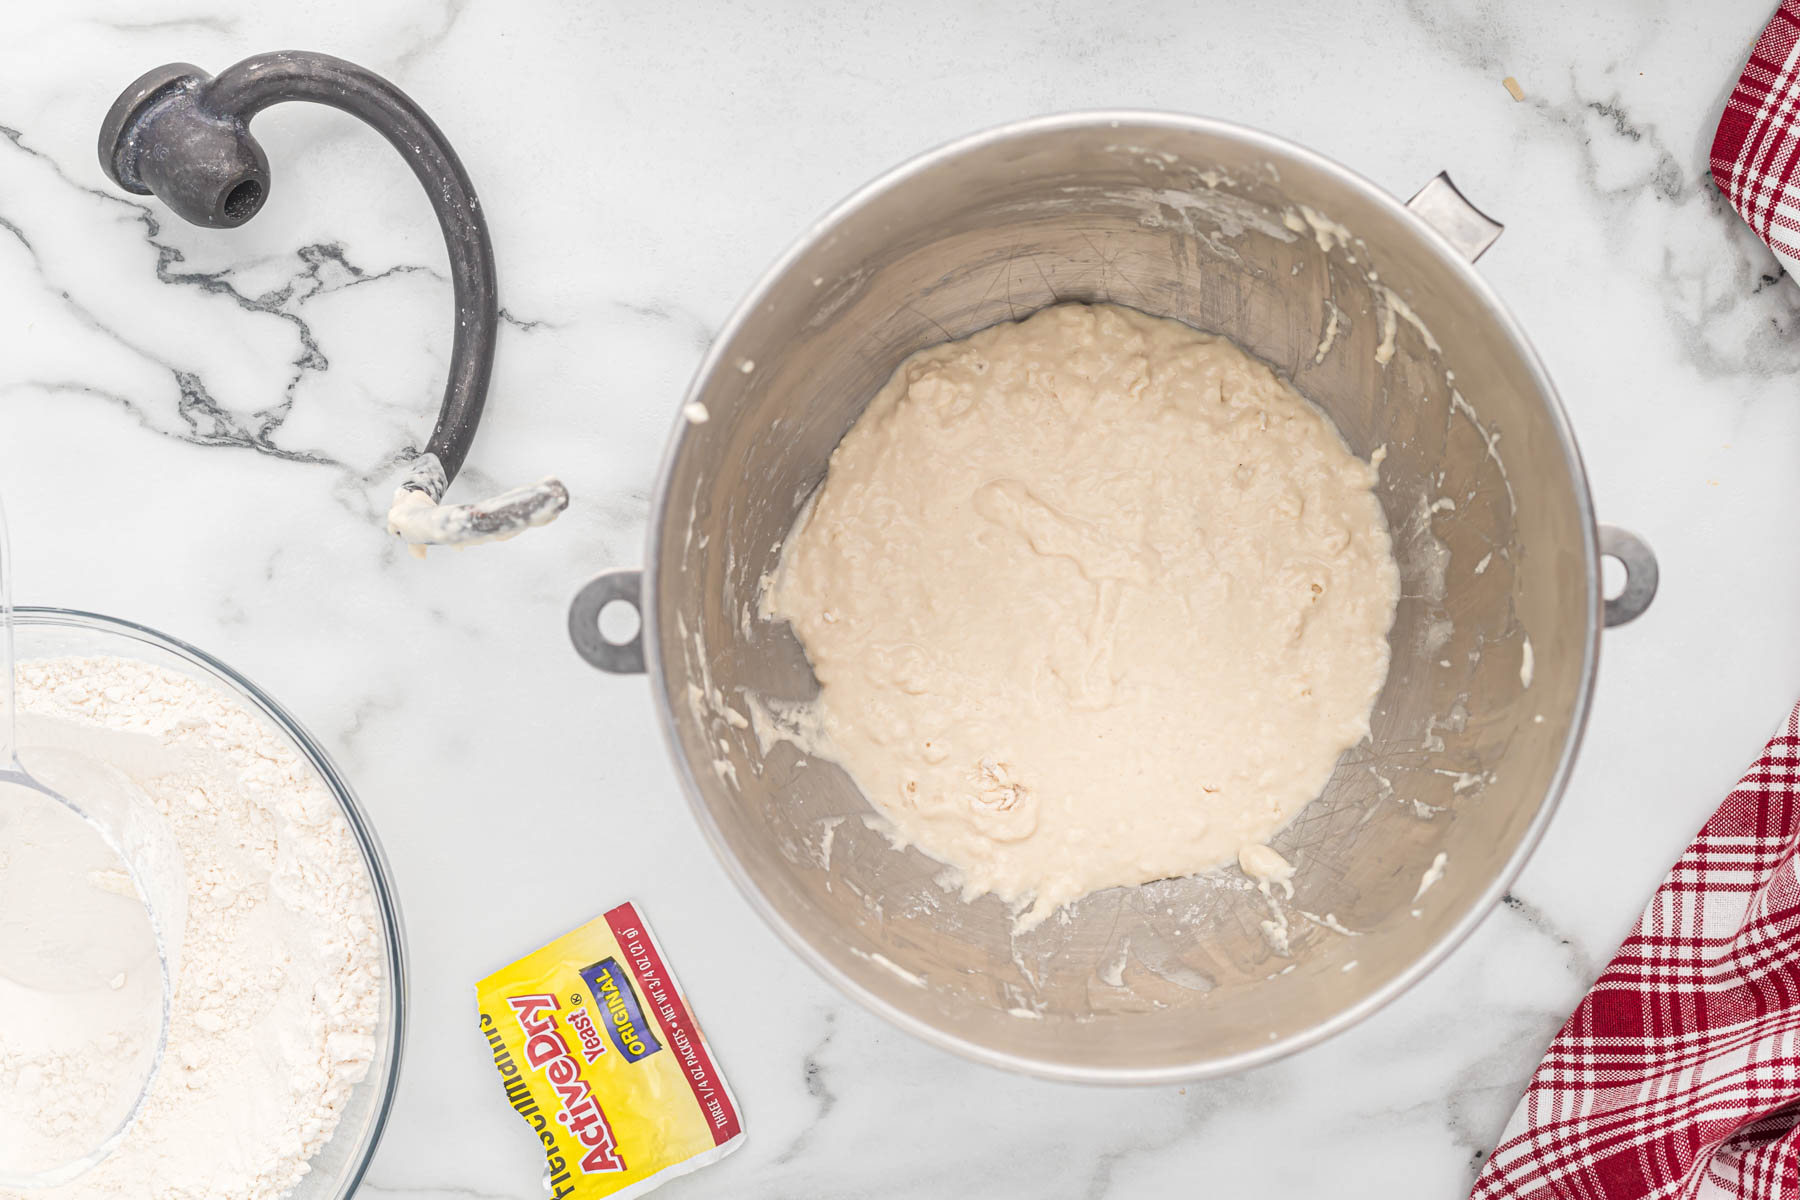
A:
(1093, 599)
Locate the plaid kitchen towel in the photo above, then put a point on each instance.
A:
(1756, 153)
(1679, 1074)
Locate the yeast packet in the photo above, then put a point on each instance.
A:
(600, 1054)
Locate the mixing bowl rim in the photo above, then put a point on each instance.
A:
(385, 903)
(713, 364)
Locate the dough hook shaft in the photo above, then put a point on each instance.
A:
(183, 136)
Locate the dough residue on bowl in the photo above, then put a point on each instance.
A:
(1093, 599)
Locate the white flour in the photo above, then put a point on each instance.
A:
(279, 991)
(80, 984)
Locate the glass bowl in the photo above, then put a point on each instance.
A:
(338, 1167)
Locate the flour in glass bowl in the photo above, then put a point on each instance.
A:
(279, 993)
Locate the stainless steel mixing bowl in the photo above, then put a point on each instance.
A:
(1494, 644)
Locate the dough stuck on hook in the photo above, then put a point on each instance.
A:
(417, 517)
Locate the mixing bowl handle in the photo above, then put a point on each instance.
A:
(1641, 574)
(1468, 230)
(183, 136)
(615, 658)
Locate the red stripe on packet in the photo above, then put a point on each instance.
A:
(663, 998)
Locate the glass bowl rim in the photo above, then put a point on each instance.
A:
(387, 907)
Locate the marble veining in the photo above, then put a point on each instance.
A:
(199, 430)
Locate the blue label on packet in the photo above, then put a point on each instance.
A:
(624, 1016)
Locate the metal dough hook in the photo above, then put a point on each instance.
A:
(183, 136)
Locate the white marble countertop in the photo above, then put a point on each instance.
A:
(197, 431)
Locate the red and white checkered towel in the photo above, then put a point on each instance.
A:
(1678, 1077)
(1756, 153)
(1679, 1074)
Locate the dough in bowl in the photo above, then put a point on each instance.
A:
(1093, 599)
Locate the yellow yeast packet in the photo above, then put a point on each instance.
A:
(598, 1052)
